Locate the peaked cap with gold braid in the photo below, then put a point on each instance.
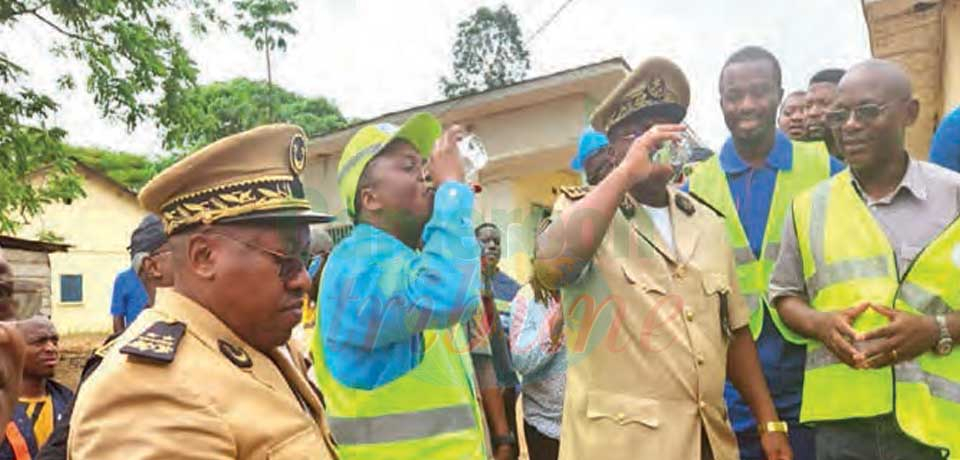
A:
(253, 176)
(657, 86)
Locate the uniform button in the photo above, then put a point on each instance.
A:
(689, 314)
(700, 359)
(621, 417)
(703, 405)
(680, 272)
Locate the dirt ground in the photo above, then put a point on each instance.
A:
(74, 350)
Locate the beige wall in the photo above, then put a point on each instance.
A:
(98, 228)
(951, 56)
(513, 205)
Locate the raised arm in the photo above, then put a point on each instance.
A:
(569, 242)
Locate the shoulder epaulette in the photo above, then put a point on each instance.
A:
(574, 192)
(704, 202)
(158, 343)
(102, 350)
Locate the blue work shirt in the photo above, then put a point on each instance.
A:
(378, 295)
(945, 146)
(129, 296)
(782, 361)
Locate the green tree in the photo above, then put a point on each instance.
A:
(224, 108)
(489, 53)
(136, 69)
(260, 23)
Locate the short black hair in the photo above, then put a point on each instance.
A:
(754, 53)
(828, 76)
(476, 231)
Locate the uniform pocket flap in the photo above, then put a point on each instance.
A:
(301, 445)
(623, 409)
(641, 280)
(715, 283)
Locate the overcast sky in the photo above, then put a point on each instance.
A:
(376, 56)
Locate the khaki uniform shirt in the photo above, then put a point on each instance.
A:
(212, 401)
(647, 347)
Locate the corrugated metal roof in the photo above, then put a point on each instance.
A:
(31, 245)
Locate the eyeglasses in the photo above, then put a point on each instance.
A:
(865, 113)
(289, 266)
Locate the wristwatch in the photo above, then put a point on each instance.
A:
(945, 343)
(773, 427)
(508, 438)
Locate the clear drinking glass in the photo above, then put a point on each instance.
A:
(474, 156)
(675, 153)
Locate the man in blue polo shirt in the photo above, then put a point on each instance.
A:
(129, 295)
(752, 182)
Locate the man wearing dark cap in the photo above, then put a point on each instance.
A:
(204, 373)
(130, 296)
(821, 94)
(653, 314)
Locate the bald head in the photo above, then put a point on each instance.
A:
(886, 77)
(36, 324)
(42, 350)
(874, 98)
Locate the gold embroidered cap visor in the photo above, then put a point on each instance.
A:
(253, 176)
(657, 87)
(421, 130)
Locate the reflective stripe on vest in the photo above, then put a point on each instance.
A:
(432, 411)
(811, 164)
(17, 442)
(846, 260)
(402, 427)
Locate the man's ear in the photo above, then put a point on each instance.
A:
(370, 201)
(151, 269)
(913, 110)
(202, 254)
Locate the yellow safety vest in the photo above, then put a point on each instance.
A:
(811, 165)
(431, 412)
(847, 259)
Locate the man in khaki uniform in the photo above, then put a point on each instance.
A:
(205, 373)
(654, 316)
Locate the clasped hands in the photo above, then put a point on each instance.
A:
(905, 337)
